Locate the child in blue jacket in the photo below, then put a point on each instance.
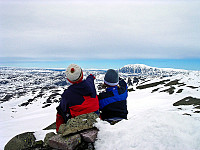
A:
(80, 97)
(112, 102)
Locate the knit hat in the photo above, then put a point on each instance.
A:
(74, 73)
(111, 78)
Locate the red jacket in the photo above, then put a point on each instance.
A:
(78, 99)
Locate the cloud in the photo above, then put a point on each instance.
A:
(53, 30)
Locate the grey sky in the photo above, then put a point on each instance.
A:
(52, 30)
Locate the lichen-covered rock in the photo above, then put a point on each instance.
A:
(21, 141)
(79, 123)
(85, 146)
(62, 128)
(65, 143)
(47, 137)
(89, 135)
(38, 144)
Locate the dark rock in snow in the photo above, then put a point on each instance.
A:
(193, 87)
(129, 82)
(170, 90)
(7, 97)
(187, 114)
(4, 82)
(130, 90)
(28, 102)
(52, 98)
(21, 141)
(154, 90)
(188, 101)
(197, 107)
(180, 91)
(46, 105)
(52, 126)
(151, 84)
(197, 112)
(174, 82)
(135, 80)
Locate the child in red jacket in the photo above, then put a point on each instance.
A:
(80, 97)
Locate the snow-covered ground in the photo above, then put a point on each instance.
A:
(153, 122)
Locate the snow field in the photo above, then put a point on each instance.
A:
(153, 124)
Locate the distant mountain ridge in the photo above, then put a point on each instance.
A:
(144, 70)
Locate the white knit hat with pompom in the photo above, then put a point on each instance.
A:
(74, 73)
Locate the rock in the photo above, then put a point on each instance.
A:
(62, 128)
(170, 90)
(52, 126)
(65, 143)
(89, 135)
(38, 144)
(85, 146)
(79, 123)
(187, 114)
(188, 101)
(90, 146)
(47, 105)
(174, 82)
(21, 141)
(179, 91)
(145, 86)
(47, 137)
(130, 90)
(82, 146)
(129, 81)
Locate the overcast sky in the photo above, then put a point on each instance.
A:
(84, 30)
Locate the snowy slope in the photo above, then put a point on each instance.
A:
(153, 122)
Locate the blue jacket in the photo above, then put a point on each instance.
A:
(113, 102)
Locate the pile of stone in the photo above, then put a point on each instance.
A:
(78, 134)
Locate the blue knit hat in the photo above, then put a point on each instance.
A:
(111, 77)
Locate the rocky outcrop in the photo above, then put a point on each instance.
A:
(79, 133)
(145, 86)
(79, 123)
(47, 137)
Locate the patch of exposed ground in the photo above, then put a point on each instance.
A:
(151, 84)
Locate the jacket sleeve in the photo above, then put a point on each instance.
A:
(123, 84)
(90, 79)
(63, 113)
(59, 121)
(91, 86)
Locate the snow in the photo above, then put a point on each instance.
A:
(150, 130)
(148, 67)
(29, 119)
(153, 122)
